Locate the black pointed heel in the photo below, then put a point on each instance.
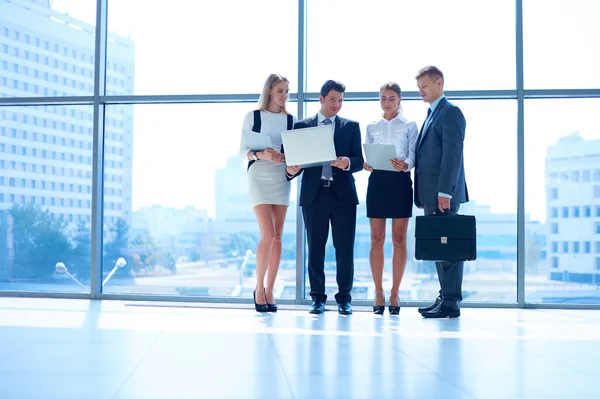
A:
(272, 307)
(395, 310)
(258, 307)
(378, 309)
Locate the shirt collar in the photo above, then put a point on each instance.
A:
(321, 118)
(399, 117)
(434, 104)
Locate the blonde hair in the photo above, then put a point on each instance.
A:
(432, 72)
(265, 97)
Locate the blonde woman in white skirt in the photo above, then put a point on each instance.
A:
(268, 186)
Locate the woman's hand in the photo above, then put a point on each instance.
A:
(367, 167)
(293, 170)
(399, 165)
(270, 155)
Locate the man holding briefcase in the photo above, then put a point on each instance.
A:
(440, 179)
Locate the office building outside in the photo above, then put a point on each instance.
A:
(232, 201)
(573, 209)
(181, 232)
(46, 151)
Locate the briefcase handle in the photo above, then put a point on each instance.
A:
(447, 212)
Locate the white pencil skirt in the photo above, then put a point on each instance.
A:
(267, 184)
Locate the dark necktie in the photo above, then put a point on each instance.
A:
(425, 125)
(327, 173)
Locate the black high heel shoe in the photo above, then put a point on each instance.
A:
(260, 308)
(378, 309)
(395, 310)
(272, 307)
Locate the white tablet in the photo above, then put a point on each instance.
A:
(378, 156)
(256, 141)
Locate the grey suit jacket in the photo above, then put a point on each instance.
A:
(439, 157)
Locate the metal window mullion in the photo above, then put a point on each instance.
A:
(520, 156)
(300, 280)
(305, 97)
(561, 93)
(42, 101)
(415, 96)
(98, 149)
(184, 98)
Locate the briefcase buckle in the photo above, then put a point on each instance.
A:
(444, 240)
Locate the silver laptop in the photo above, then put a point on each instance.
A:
(308, 147)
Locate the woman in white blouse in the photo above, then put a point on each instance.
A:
(269, 189)
(390, 194)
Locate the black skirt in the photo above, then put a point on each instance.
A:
(389, 195)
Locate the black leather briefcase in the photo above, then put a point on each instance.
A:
(445, 238)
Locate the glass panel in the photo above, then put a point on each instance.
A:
(196, 47)
(563, 240)
(45, 198)
(47, 48)
(492, 277)
(561, 40)
(176, 204)
(391, 40)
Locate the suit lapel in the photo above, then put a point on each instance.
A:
(336, 132)
(423, 132)
(315, 121)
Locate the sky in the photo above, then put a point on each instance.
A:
(198, 47)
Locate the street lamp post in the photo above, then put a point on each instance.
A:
(242, 270)
(60, 268)
(120, 263)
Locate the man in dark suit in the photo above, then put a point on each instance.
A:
(328, 194)
(440, 179)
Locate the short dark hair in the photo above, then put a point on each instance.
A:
(332, 85)
(432, 72)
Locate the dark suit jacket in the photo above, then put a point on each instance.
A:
(439, 157)
(347, 142)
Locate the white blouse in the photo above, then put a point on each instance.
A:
(400, 132)
(271, 125)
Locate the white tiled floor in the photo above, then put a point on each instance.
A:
(84, 349)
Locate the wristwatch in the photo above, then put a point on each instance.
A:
(254, 156)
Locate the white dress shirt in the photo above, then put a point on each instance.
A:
(398, 131)
(271, 124)
(320, 119)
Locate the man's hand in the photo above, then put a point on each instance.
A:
(399, 165)
(367, 167)
(342, 163)
(293, 170)
(443, 203)
(270, 155)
